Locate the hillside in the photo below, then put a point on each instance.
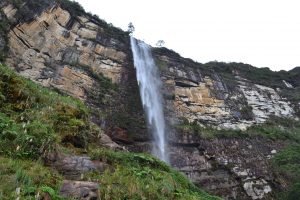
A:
(41, 128)
(233, 129)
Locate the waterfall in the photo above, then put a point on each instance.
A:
(150, 91)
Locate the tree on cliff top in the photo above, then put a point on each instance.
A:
(131, 28)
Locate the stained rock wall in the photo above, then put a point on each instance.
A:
(195, 94)
(81, 57)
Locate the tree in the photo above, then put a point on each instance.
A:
(160, 43)
(131, 28)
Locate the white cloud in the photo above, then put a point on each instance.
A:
(264, 33)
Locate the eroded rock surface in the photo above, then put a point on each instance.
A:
(72, 167)
(83, 190)
(233, 168)
(195, 94)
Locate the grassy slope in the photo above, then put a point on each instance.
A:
(35, 120)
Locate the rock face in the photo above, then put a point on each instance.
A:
(72, 167)
(198, 95)
(80, 190)
(231, 168)
(47, 41)
(80, 55)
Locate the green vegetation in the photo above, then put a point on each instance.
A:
(275, 128)
(140, 176)
(287, 164)
(33, 119)
(31, 177)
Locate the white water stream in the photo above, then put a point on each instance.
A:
(150, 91)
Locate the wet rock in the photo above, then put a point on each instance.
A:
(80, 190)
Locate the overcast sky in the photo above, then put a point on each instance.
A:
(263, 33)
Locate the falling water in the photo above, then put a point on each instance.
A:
(150, 87)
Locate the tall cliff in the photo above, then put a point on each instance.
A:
(226, 121)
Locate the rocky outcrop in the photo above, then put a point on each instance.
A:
(73, 167)
(80, 190)
(265, 102)
(232, 168)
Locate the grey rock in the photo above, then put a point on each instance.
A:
(72, 167)
(80, 190)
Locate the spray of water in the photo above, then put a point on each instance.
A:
(150, 91)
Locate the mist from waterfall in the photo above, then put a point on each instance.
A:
(150, 91)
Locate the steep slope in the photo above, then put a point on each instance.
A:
(39, 126)
(208, 106)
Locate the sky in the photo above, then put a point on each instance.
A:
(263, 33)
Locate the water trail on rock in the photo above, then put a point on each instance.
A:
(150, 91)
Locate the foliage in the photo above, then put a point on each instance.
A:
(141, 176)
(33, 119)
(131, 28)
(287, 163)
(160, 43)
(31, 177)
(73, 7)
